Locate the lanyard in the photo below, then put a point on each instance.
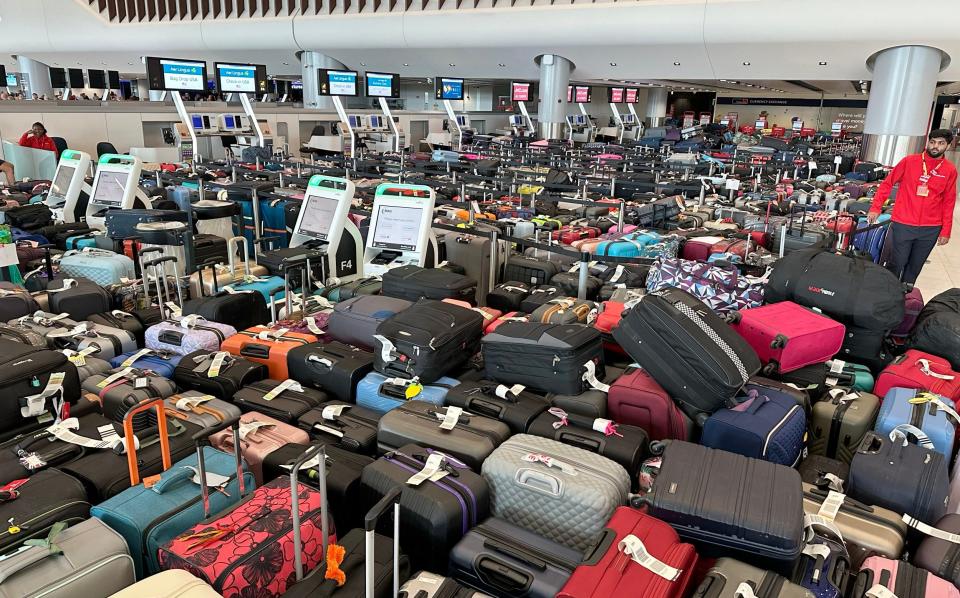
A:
(926, 175)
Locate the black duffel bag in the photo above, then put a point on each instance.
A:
(851, 290)
(937, 330)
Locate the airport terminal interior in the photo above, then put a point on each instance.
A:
(446, 299)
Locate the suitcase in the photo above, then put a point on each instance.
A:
(507, 296)
(538, 296)
(467, 437)
(788, 337)
(729, 504)
(349, 426)
(42, 500)
(90, 560)
(159, 362)
(285, 401)
(175, 583)
(15, 302)
(24, 335)
(107, 341)
(530, 271)
(923, 371)
(678, 340)
(97, 265)
(563, 493)
(841, 421)
(381, 394)
(78, 297)
(413, 283)
(635, 551)
(934, 414)
(900, 578)
(349, 290)
(913, 305)
(261, 344)
(554, 358)
(439, 511)
(187, 334)
(700, 248)
(938, 551)
(504, 559)
(86, 366)
(513, 406)
(569, 285)
(334, 367)
(564, 311)
(923, 487)
(636, 399)
(475, 254)
(854, 375)
(122, 320)
(770, 388)
(260, 435)
(729, 578)
(196, 371)
(823, 471)
(590, 403)
(824, 566)
(233, 272)
(355, 320)
(200, 409)
(771, 428)
(40, 383)
(430, 585)
(427, 340)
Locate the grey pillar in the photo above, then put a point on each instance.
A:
(37, 76)
(901, 99)
(552, 109)
(656, 106)
(310, 62)
(143, 89)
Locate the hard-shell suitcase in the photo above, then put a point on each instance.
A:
(355, 320)
(188, 334)
(437, 512)
(841, 421)
(107, 341)
(350, 426)
(589, 403)
(787, 336)
(506, 296)
(824, 565)
(122, 320)
(530, 271)
(285, 400)
(480, 261)
(260, 435)
(771, 428)
(854, 375)
(635, 553)
(102, 267)
(504, 559)
(900, 578)
(334, 367)
(564, 310)
(563, 493)
(262, 344)
(923, 371)
(175, 583)
(381, 394)
(467, 437)
(90, 559)
(430, 585)
(159, 362)
(729, 503)
(78, 297)
(200, 409)
(413, 283)
(730, 578)
(932, 413)
(697, 358)
(513, 405)
(636, 399)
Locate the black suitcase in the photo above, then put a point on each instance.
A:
(31, 509)
(730, 505)
(209, 249)
(288, 406)
(538, 296)
(435, 515)
(498, 401)
(241, 309)
(508, 296)
(25, 372)
(193, 373)
(279, 261)
(58, 234)
(530, 271)
(429, 340)
(413, 283)
(544, 357)
(350, 426)
(29, 217)
(696, 356)
(121, 320)
(569, 285)
(334, 367)
(122, 224)
(866, 347)
(15, 302)
(352, 289)
(81, 299)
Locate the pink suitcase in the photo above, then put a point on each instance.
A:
(635, 398)
(698, 249)
(913, 303)
(258, 441)
(900, 577)
(787, 336)
(916, 369)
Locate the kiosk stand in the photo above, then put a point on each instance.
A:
(324, 223)
(458, 124)
(400, 232)
(636, 131)
(115, 187)
(68, 182)
(618, 121)
(348, 138)
(530, 129)
(399, 138)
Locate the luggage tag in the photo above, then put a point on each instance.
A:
(30, 461)
(925, 369)
(129, 361)
(174, 308)
(35, 403)
(190, 321)
(213, 480)
(281, 388)
(125, 372)
(252, 427)
(550, 462)
(216, 364)
(819, 553)
(634, 548)
(590, 377)
(929, 397)
(450, 418)
(190, 403)
(267, 335)
(433, 470)
(78, 358)
(388, 352)
(503, 390)
(744, 590)
(312, 325)
(930, 530)
(9, 492)
(331, 413)
(64, 431)
(879, 591)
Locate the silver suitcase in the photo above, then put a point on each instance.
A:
(563, 493)
(93, 561)
(727, 576)
(44, 323)
(107, 341)
(429, 585)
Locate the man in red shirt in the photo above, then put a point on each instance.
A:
(923, 211)
(37, 138)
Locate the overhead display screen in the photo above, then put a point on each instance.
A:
(58, 78)
(167, 74)
(520, 92)
(615, 94)
(76, 78)
(382, 85)
(337, 83)
(113, 78)
(569, 94)
(630, 96)
(98, 79)
(240, 78)
(582, 94)
(448, 88)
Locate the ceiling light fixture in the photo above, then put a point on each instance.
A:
(406, 64)
(501, 65)
(451, 64)
(363, 64)
(676, 63)
(286, 64)
(613, 64)
(823, 63)
(745, 63)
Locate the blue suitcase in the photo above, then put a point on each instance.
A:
(923, 410)
(871, 241)
(629, 245)
(161, 363)
(102, 267)
(22, 235)
(261, 284)
(81, 241)
(377, 394)
(444, 156)
(772, 428)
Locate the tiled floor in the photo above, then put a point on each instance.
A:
(942, 270)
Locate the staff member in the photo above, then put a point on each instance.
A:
(37, 138)
(923, 212)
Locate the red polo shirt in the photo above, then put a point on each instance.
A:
(936, 209)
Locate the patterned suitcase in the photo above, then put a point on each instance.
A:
(100, 266)
(188, 334)
(722, 289)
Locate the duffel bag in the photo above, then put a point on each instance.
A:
(723, 289)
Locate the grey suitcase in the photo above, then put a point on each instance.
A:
(201, 409)
(431, 585)
(478, 259)
(564, 493)
(23, 335)
(44, 323)
(92, 561)
(119, 391)
(468, 437)
(727, 576)
(107, 341)
(355, 320)
(87, 365)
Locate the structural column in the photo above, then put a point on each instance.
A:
(554, 79)
(310, 62)
(155, 95)
(656, 106)
(901, 99)
(142, 89)
(37, 76)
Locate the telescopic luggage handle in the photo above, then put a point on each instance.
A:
(131, 440)
(201, 439)
(391, 498)
(309, 454)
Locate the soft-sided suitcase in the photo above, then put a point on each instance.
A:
(334, 367)
(15, 302)
(697, 358)
(504, 559)
(39, 382)
(563, 493)
(430, 585)
(284, 400)
(351, 426)
(160, 362)
(732, 504)
(635, 552)
(934, 414)
(938, 551)
(262, 344)
(187, 334)
(355, 320)
(260, 435)
(217, 373)
(538, 296)
(175, 583)
(923, 371)
(102, 267)
(900, 579)
(122, 320)
(840, 422)
(530, 271)
(729, 578)
(413, 283)
(32, 506)
(787, 336)
(589, 403)
(513, 405)
(912, 306)
(771, 428)
(564, 310)
(381, 394)
(636, 399)
(506, 296)
(78, 297)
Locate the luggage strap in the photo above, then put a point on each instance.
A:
(253, 427)
(927, 371)
(68, 283)
(930, 530)
(634, 548)
(282, 388)
(606, 427)
(33, 551)
(904, 431)
(929, 397)
(213, 363)
(590, 377)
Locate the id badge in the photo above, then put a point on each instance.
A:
(923, 191)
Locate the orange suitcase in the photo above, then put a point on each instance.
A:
(266, 346)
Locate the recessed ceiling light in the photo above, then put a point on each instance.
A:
(363, 64)
(406, 64)
(823, 63)
(745, 63)
(501, 65)
(286, 64)
(451, 64)
(676, 63)
(613, 64)
(723, 80)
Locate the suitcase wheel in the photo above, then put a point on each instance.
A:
(779, 342)
(657, 447)
(734, 317)
(770, 369)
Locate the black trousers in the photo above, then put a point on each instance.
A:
(910, 247)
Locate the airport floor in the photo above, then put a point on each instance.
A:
(942, 270)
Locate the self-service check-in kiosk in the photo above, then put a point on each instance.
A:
(68, 182)
(324, 224)
(400, 229)
(114, 187)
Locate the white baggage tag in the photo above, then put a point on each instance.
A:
(213, 480)
(79, 358)
(281, 388)
(114, 377)
(431, 470)
(744, 590)
(831, 505)
(816, 551)
(617, 273)
(814, 521)
(189, 403)
(833, 482)
(64, 431)
(925, 369)
(129, 361)
(733, 184)
(836, 366)
(216, 364)
(272, 334)
(930, 530)
(35, 403)
(108, 433)
(633, 547)
(251, 428)
(550, 462)
(386, 348)
(590, 376)
(879, 591)
(812, 165)
(328, 430)
(173, 307)
(312, 325)
(332, 412)
(450, 418)
(189, 321)
(31, 461)
(838, 159)
(502, 390)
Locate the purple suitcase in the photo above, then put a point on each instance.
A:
(913, 305)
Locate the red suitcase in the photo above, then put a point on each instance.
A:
(635, 398)
(787, 336)
(916, 369)
(608, 318)
(510, 316)
(734, 246)
(568, 234)
(698, 249)
(637, 555)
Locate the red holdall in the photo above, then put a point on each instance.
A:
(637, 399)
(637, 554)
(916, 369)
(698, 249)
(510, 316)
(787, 336)
(608, 318)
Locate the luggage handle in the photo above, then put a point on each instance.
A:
(233, 245)
(34, 554)
(130, 438)
(201, 439)
(539, 481)
(319, 451)
(391, 498)
(578, 440)
(501, 576)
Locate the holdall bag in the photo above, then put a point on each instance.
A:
(923, 371)
(922, 487)
(15, 302)
(530, 271)
(564, 311)
(355, 321)
(721, 289)
(900, 578)
(40, 383)
(100, 266)
(868, 347)
(217, 373)
(285, 400)
(563, 493)
(381, 394)
(504, 559)
(507, 296)
(697, 358)
(636, 399)
(187, 334)
(414, 283)
(729, 504)
(77, 297)
(937, 327)
(513, 405)
(934, 414)
(787, 336)
(349, 426)
(635, 551)
(729, 578)
(262, 344)
(175, 583)
(90, 559)
(159, 362)
(841, 421)
(770, 428)
(200, 409)
(427, 340)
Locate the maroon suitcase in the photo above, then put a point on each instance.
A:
(913, 304)
(635, 398)
(698, 249)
